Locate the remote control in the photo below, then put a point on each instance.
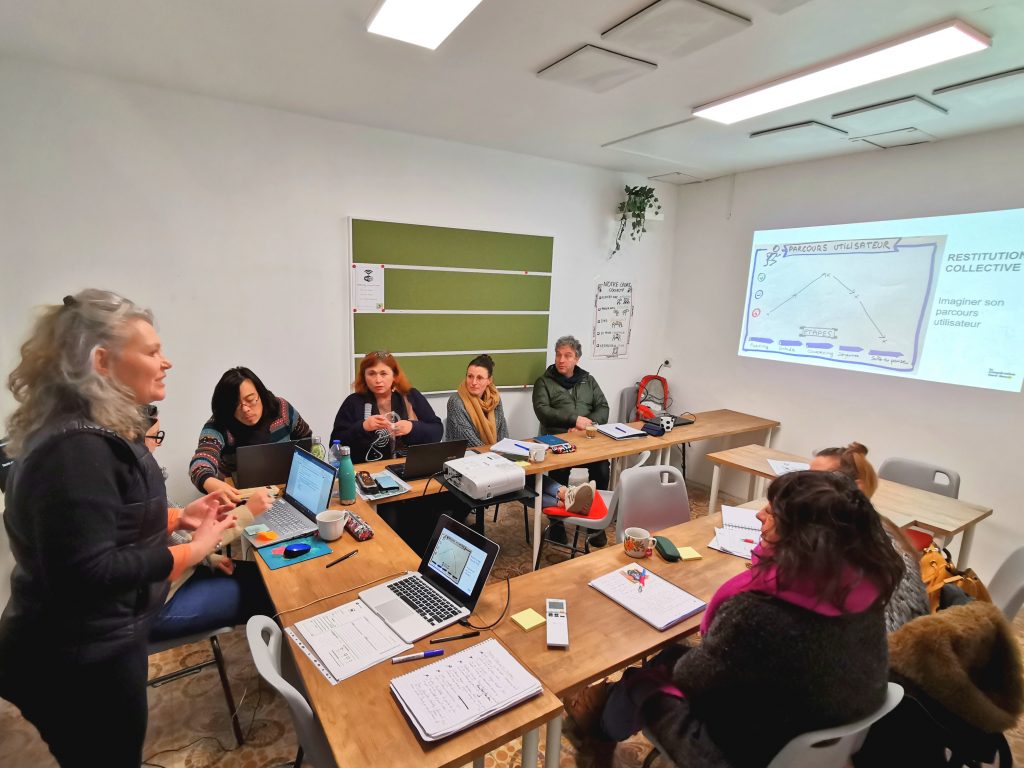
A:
(558, 624)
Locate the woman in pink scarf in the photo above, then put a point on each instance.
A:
(795, 643)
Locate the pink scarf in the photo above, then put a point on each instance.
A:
(861, 596)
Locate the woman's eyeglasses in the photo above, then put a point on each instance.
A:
(158, 438)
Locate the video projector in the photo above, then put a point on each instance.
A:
(484, 475)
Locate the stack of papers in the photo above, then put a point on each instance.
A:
(520, 448)
(346, 640)
(740, 532)
(620, 431)
(780, 467)
(658, 602)
(464, 689)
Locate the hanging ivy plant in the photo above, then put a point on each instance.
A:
(634, 212)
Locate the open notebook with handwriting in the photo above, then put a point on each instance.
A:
(463, 689)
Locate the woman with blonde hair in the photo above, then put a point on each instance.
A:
(88, 523)
(910, 599)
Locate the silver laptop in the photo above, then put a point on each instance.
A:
(445, 589)
(308, 492)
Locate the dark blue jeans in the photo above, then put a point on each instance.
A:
(211, 599)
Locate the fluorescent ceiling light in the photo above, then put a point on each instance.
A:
(421, 22)
(921, 49)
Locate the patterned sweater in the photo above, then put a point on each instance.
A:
(215, 454)
(458, 425)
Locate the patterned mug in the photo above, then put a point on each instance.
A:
(638, 542)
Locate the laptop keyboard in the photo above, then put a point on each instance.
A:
(286, 520)
(427, 602)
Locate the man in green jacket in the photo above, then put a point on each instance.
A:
(568, 399)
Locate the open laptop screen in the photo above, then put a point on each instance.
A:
(310, 482)
(458, 561)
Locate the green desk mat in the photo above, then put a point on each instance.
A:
(317, 548)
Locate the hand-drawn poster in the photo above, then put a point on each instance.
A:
(613, 313)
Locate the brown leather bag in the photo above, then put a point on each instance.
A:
(937, 570)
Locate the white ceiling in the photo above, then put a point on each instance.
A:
(480, 87)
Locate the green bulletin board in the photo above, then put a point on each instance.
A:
(451, 294)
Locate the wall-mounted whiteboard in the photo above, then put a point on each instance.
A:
(938, 298)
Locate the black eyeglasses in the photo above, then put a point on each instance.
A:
(158, 438)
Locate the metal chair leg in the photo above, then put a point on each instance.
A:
(219, 656)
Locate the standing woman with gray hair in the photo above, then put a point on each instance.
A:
(88, 523)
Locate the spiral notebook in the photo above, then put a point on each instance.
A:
(739, 534)
(463, 689)
(658, 602)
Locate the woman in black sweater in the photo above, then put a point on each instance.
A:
(794, 644)
(88, 521)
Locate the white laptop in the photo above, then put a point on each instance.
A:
(446, 588)
(308, 492)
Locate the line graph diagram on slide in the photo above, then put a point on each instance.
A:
(450, 557)
(851, 303)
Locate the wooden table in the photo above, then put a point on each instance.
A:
(603, 636)
(364, 724)
(709, 425)
(903, 504)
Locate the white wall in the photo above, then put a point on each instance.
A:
(974, 431)
(229, 221)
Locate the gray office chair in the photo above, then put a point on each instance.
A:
(920, 474)
(218, 658)
(827, 748)
(627, 403)
(264, 638)
(650, 497)
(1007, 586)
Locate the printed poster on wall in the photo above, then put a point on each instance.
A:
(613, 313)
(367, 287)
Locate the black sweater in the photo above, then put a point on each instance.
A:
(348, 424)
(87, 521)
(768, 671)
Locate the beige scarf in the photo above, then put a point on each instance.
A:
(481, 411)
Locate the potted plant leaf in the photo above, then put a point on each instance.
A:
(633, 210)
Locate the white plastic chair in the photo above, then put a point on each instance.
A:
(833, 747)
(590, 524)
(159, 646)
(265, 646)
(920, 474)
(652, 498)
(1007, 586)
(827, 748)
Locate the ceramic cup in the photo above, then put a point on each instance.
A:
(331, 523)
(638, 542)
(537, 454)
(591, 430)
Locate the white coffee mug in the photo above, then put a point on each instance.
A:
(537, 454)
(638, 542)
(331, 523)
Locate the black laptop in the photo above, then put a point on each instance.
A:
(266, 464)
(428, 459)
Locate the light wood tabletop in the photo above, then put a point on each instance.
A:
(709, 425)
(363, 722)
(603, 636)
(903, 504)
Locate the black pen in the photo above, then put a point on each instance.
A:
(343, 557)
(454, 637)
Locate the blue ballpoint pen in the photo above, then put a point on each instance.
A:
(523, 447)
(621, 430)
(415, 656)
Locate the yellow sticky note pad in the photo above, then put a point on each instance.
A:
(689, 553)
(528, 619)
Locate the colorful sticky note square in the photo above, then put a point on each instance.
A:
(278, 550)
(252, 530)
(689, 553)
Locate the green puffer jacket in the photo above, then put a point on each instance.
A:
(557, 407)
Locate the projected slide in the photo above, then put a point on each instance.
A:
(938, 298)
